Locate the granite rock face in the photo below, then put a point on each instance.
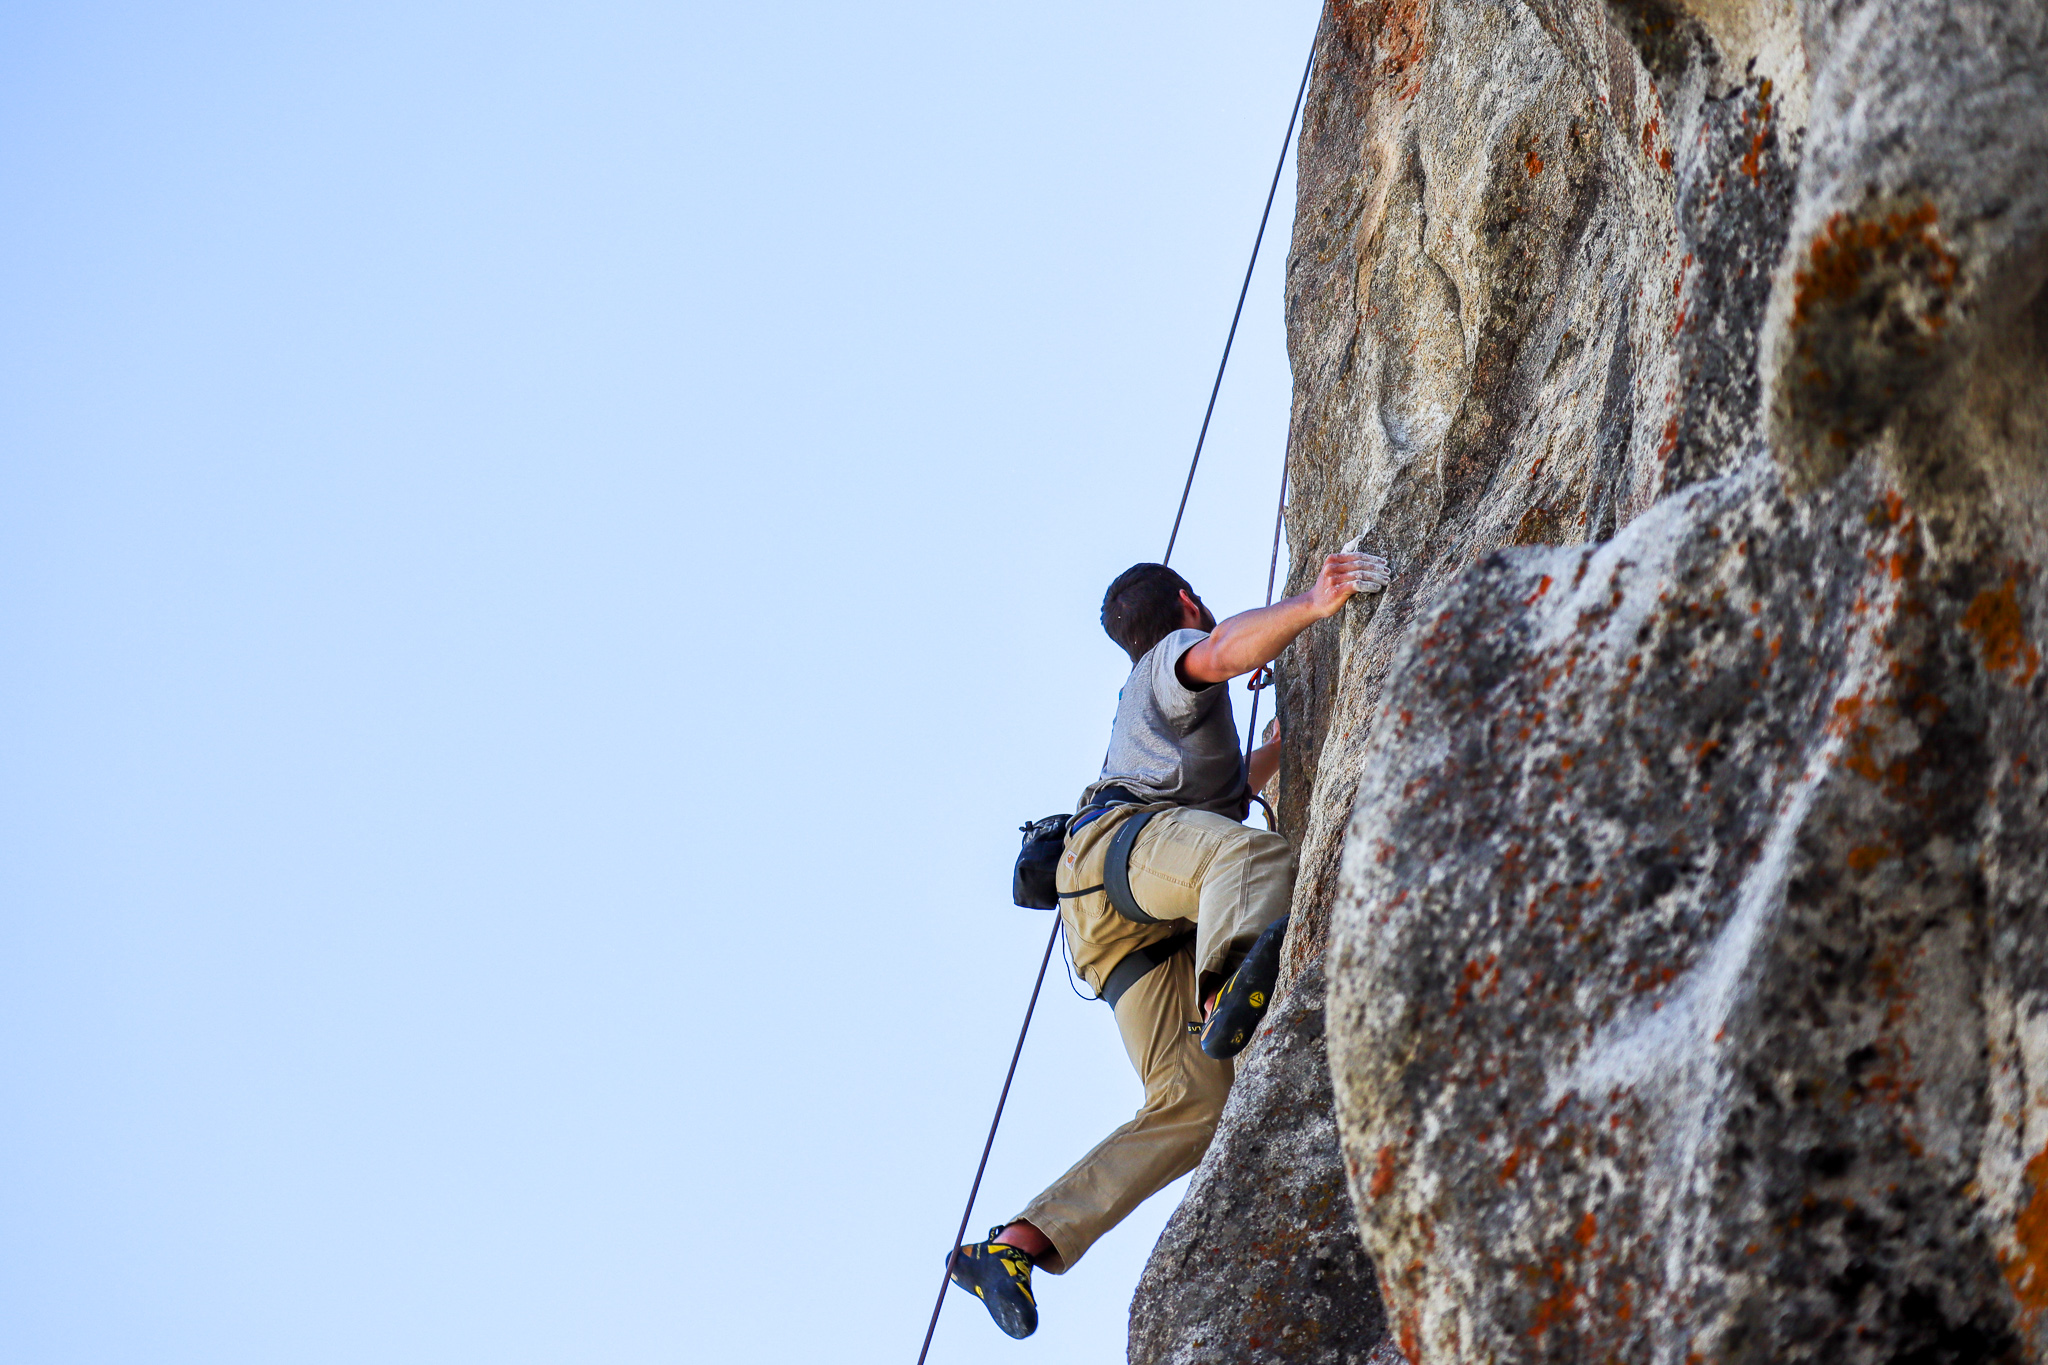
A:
(1263, 1259)
(1674, 835)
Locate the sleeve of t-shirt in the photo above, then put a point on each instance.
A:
(1183, 707)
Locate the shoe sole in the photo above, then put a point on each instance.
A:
(1242, 1003)
(1015, 1319)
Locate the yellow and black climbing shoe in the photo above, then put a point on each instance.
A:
(1000, 1276)
(1242, 1002)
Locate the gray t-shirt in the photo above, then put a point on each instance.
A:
(1171, 743)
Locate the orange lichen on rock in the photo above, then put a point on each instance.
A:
(1848, 714)
(2026, 1265)
(1752, 164)
(1383, 1172)
(1411, 1334)
(1864, 725)
(1559, 1305)
(1392, 37)
(1994, 618)
(1845, 254)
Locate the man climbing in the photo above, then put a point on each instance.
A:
(1175, 911)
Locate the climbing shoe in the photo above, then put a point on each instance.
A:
(1000, 1276)
(1242, 1002)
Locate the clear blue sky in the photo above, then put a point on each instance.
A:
(545, 550)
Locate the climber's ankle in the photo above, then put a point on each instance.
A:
(1026, 1239)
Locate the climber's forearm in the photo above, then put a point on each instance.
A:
(1247, 640)
(1256, 637)
(1260, 767)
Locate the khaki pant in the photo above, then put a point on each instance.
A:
(1189, 867)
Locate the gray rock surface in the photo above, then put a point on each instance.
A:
(1675, 835)
(1263, 1260)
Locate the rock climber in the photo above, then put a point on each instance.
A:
(1190, 979)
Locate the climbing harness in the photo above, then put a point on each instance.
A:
(1135, 966)
(1138, 965)
(1116, 868)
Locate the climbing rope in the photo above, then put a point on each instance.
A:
(1045, 961)
(1242, 290)
(1001, 1100)
(1251, 734)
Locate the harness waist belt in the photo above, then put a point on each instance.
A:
(1116, 867)
(1136, 965)
(1105, 800)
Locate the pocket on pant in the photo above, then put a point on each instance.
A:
(1177, 856)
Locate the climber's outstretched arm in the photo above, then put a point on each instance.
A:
(1251, 638)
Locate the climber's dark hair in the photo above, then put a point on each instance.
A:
(1142, 607)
